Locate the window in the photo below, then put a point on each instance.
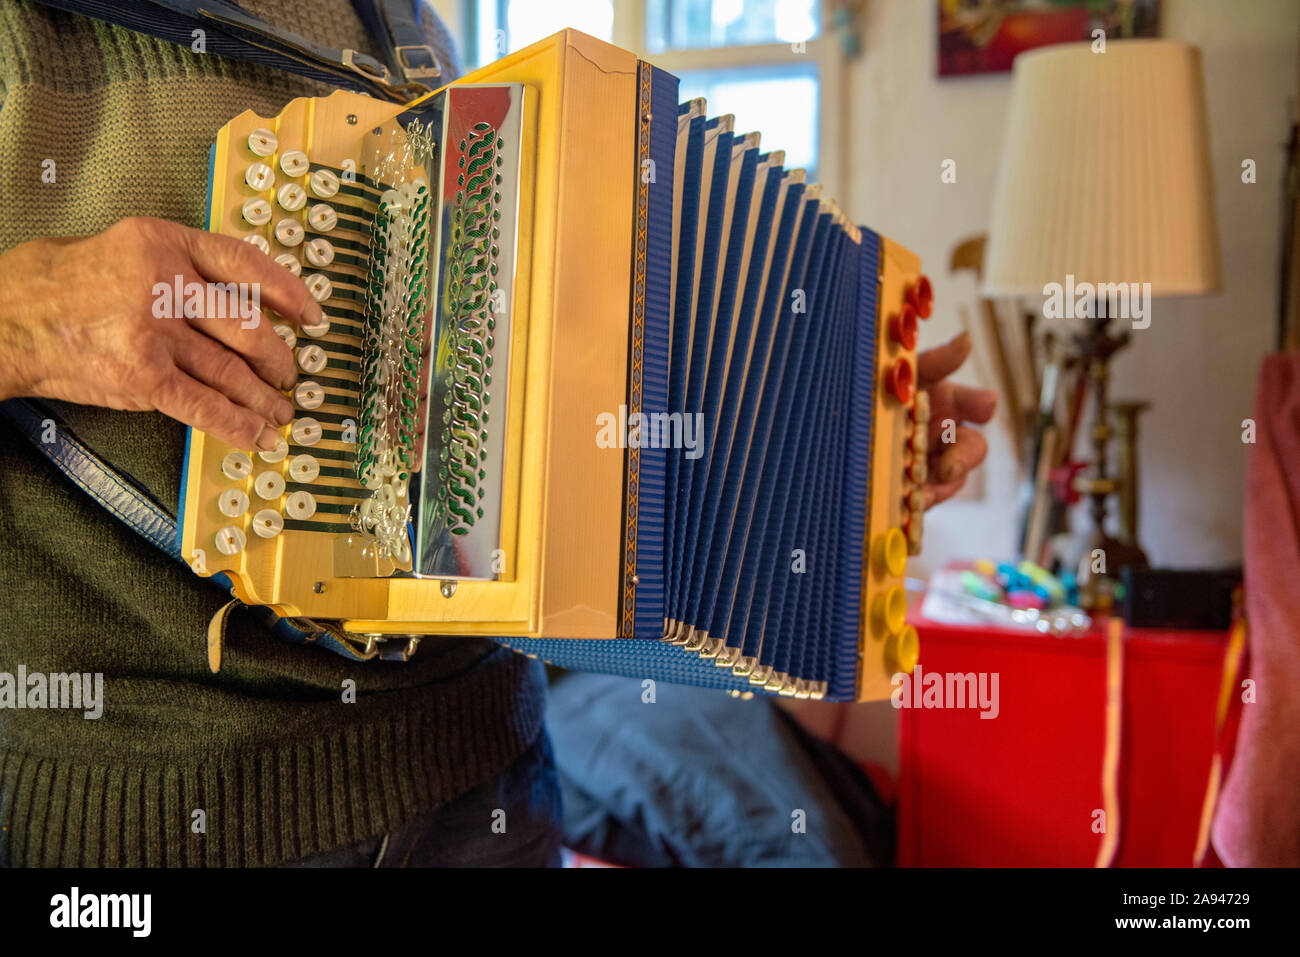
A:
(778, 102)
(766, 61)
(692, 24)
(504, 26)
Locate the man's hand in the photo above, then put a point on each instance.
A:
(950, 405)
(78, 322)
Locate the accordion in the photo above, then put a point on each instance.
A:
(599, 378)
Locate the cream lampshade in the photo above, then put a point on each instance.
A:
(1105, 172)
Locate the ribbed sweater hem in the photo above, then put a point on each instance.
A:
(263, 806)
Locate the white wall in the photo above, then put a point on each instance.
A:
(1198, 361)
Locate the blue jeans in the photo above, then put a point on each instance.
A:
(699, 779)
(513, 821)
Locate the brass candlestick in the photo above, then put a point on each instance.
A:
(1126, 431)
(1097, 577)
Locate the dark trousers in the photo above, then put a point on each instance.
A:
(513, 821)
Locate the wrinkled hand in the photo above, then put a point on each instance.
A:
(951, 405)
(79, 322)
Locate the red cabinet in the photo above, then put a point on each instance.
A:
(1023, 788)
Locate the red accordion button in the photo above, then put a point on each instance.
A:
(921, 295)
(903, 327)
(900, 380)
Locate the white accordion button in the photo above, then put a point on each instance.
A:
(290, 262)
(267, 523)
(300, 505)
(258, 240)
(232, 503)
(304, 468)
(276, 454)
(259, 176)
(257, 211)
(292, 197)
(262, 142)
(309, 395)
(322, 217)
(285, 332)
(917, 470)
(237, 466)
(269, 485)
(289, 232)
(319, 329)
(294, 163)
(319, 286)
(319, 252)
(230, 540)
(324, 183)
(306, 431)
(921, 407)
(311, 359)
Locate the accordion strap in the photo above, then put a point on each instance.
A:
(393, 24)
(134, 507)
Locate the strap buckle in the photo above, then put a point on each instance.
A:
(432, 68)
(361, 64)
(372, 70)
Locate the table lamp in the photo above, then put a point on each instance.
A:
(1105, 179)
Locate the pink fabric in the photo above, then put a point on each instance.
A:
(1258, 818)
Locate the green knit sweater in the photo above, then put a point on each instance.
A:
(268, 750)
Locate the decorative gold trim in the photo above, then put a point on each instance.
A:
(676, 632)
(727, 656)
(636, 372)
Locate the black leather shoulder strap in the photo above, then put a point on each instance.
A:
(395, 26)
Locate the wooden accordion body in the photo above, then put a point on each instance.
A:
(625, 393)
